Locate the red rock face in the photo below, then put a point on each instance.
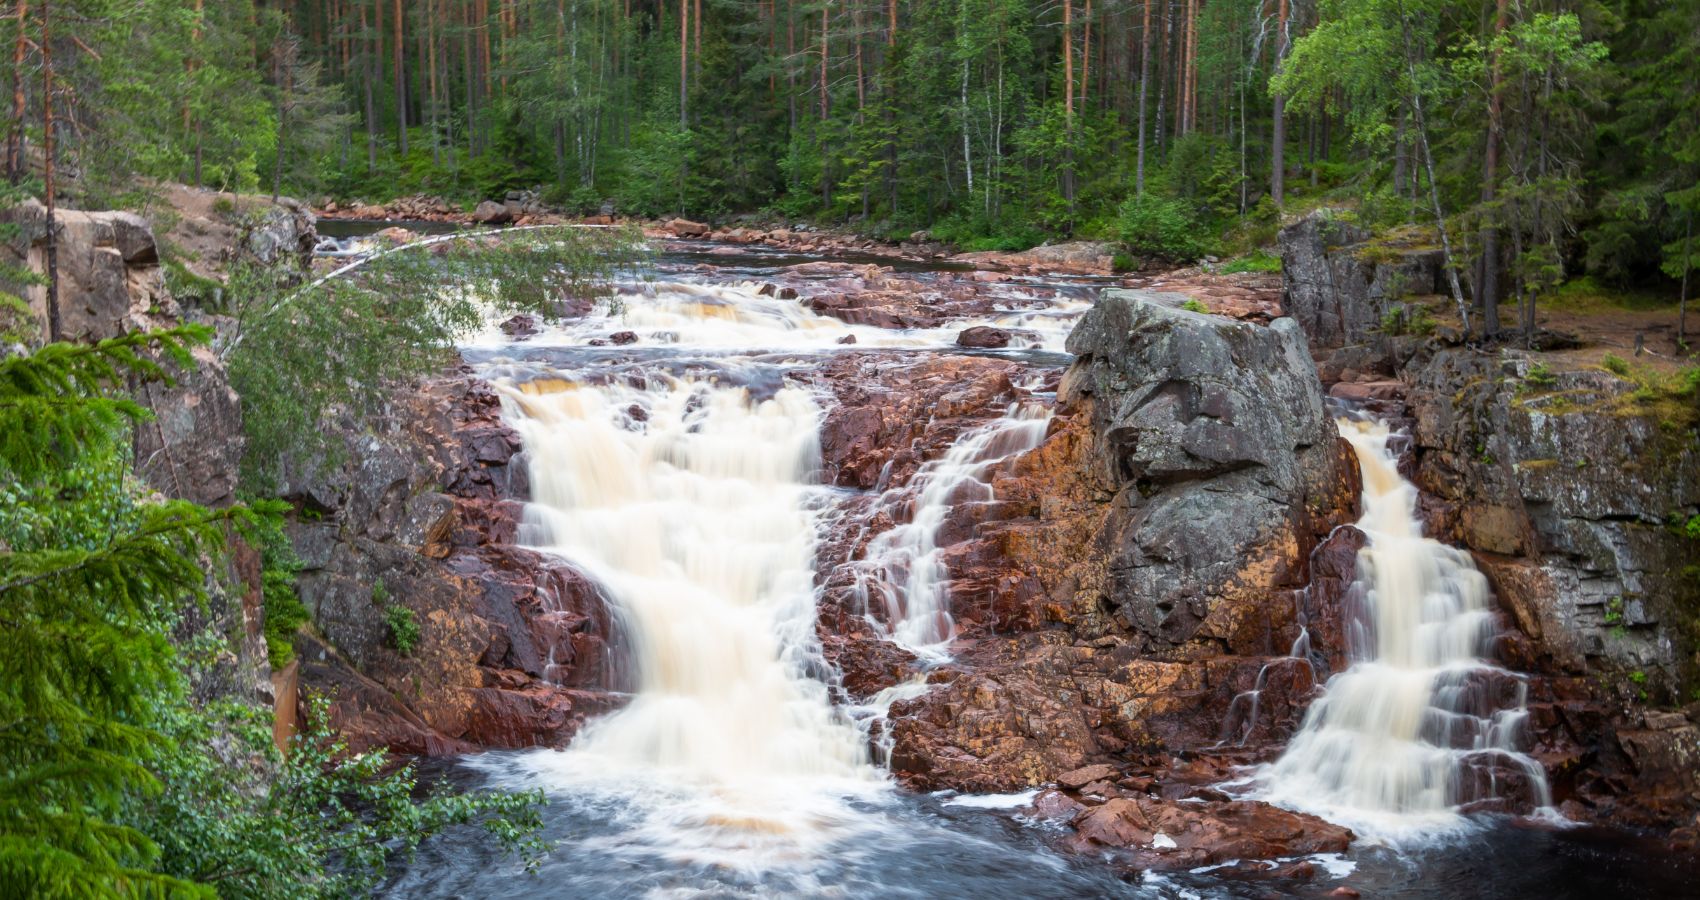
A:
(514, 647)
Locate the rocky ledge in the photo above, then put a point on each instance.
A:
(421, 521)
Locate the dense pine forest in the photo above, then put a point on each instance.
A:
(1556, 139)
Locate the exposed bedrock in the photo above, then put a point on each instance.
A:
(1566, 489)
(1137, 570)
(423, 517)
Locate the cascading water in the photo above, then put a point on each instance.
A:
(688, 504)
(904, 575)
(1421, 722)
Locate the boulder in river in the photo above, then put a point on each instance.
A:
(686, 228)
(983, 337)
(521, 326)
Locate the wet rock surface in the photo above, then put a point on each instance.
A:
(1089, 627)
(513, 648)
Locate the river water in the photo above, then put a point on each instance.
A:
(680, 475)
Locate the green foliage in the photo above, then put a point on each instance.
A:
(1158, 227)
(404, 629)
(1408, 318)
(1255, 261)
(332, 347)
(1539, 377)
(92, 578)
(1192, 304)
(1614, 611)
(320, 822)
(284, 612)
(1615, 364)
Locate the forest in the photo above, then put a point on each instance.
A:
(1539, 141)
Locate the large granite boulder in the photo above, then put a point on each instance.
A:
(1213, 436)
(1143, 567)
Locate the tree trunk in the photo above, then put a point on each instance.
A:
(1278, 140)
(400, 86)
(1144, 86)
(1085, 54)
(1682, 299)
(1488, 283)
(55, 328)
(15, 157)
(1068, 63)
(684, 60)
(1434, 197)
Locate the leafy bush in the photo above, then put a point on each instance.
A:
(283, 613)
(1615, 364)
(335, 346)
(320, 822)
(1160, 227)
(1539, 377)
(404, 628)
(1194, 305)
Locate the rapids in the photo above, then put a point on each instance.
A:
(681, 476)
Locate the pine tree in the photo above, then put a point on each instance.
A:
(92, 575)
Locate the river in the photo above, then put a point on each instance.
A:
(681, 475)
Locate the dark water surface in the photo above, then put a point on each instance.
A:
(923, 846)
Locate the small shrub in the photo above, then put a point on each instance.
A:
(1614, 611)
(404, 628)
(1403, 319)
(1193, 305)
(1123, 262)
(1539, 377)
(1615, 364)
(1165, 228)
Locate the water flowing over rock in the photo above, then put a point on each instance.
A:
(424, 516)
(1422, 723)
(1165, 524)
(1565, 492)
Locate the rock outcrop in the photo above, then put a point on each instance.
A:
(420, 521)
(1566, 486)
(1139, 569)
(1339, 287)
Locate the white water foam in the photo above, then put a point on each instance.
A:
(1406, 735)
(687, 503)
(903, 574)
(739, 317)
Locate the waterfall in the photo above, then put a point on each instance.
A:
(1420, 723)
(689, 505)
(904, 575)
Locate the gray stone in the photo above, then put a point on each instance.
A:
(1213, 433)
(1337, 289)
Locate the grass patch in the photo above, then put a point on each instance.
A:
(1255, 261)
(1194, 305)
